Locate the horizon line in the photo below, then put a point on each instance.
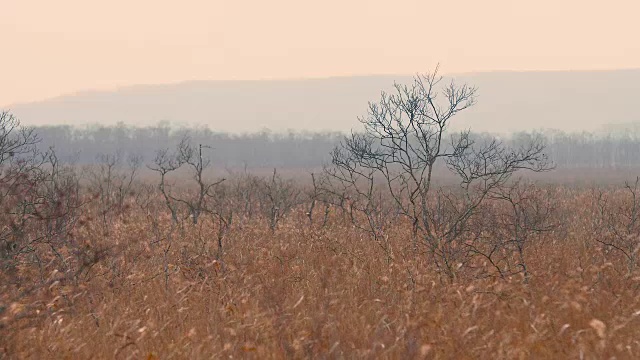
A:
(118, 88)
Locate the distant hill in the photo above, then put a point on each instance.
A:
(508, 101)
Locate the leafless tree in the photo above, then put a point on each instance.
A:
(352, 187)
(39, 196)
(513, 218)
(318, 195)
(192, 157)
(278, 197)
(403, 144)
(243, 194)
(164, 164)
(61, 196)
(617, 223)
(203, 201)
(40, 206)
(112, 182)
(189, 157)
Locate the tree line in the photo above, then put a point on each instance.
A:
(265, 149)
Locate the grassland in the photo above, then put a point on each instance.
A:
(132, 284)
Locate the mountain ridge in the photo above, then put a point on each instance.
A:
(507, 101)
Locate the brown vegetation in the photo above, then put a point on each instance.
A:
(155, 289)
(373, 257)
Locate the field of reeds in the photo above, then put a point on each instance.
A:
(275, 271)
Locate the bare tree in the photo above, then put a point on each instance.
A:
(164, 164)
(112, 183)
(516, 215)
(278, 197)
(318, 195)
(39, 196)
(189, 157)
(617, 225)
(405, 142)
(40, 205)
(352, 186)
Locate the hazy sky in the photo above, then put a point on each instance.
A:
(48, 47)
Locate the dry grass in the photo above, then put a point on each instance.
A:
(307, 292)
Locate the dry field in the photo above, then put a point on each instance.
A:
(131, 283)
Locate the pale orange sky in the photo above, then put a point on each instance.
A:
(49, 48)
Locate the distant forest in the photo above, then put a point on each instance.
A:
(265, 149)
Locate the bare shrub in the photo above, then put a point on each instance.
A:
(278, 197)
(41, 206)
(514, 217)
(617, 223)
(112, 182)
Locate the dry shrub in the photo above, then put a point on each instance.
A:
(317, 290)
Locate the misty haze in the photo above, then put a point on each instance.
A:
(508, 102)
(287, 179)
